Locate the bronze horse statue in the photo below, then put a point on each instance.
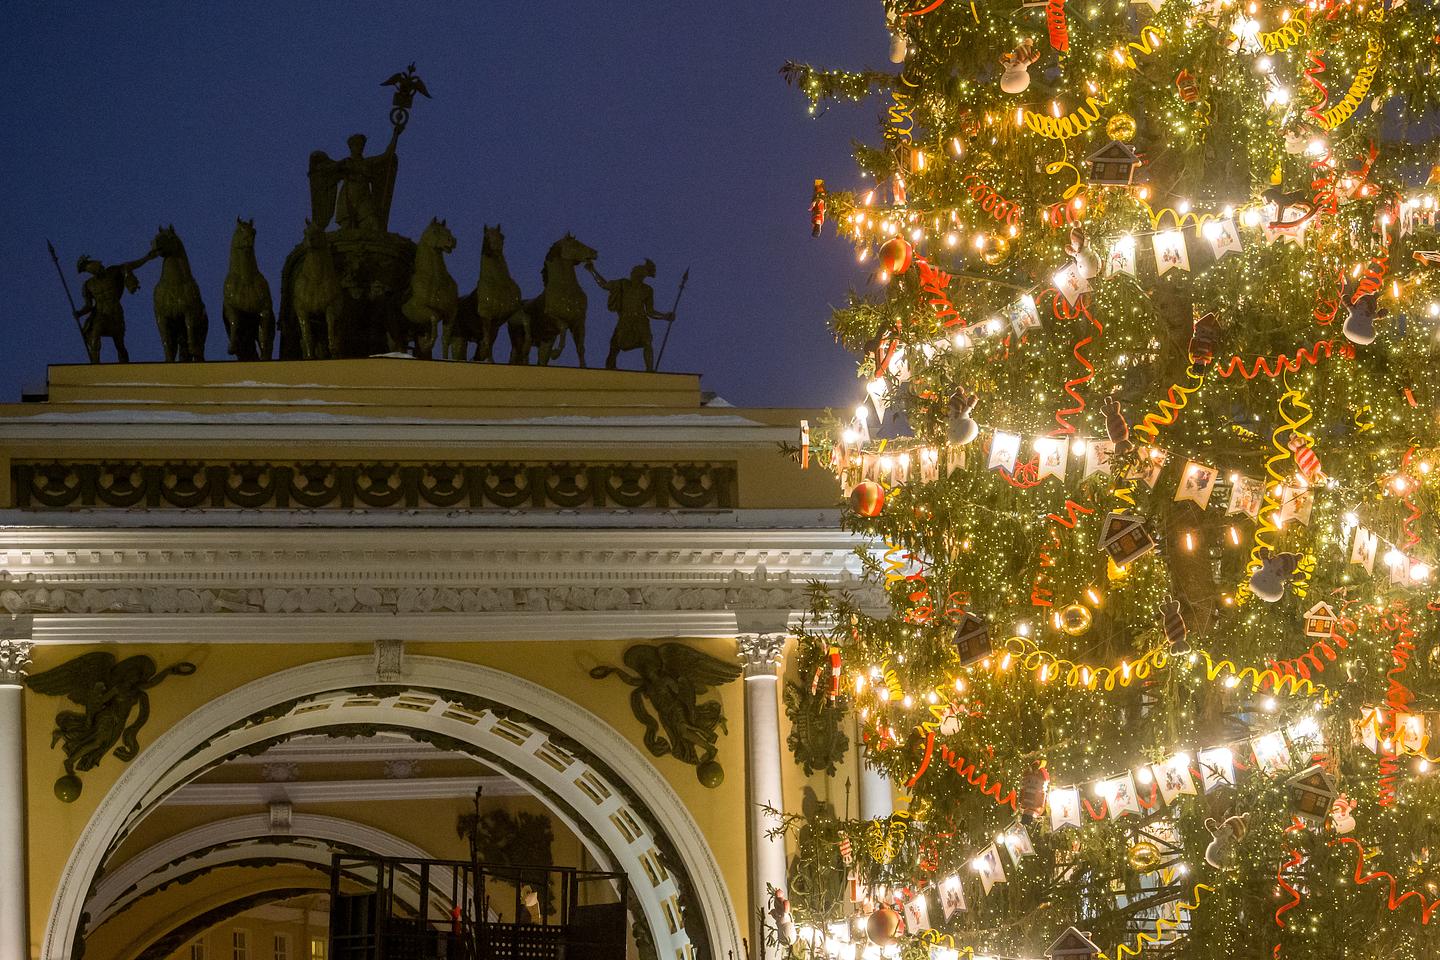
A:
(247, 307)
(317, 298)
(179, 311)
(494, 300)
(543, 321)
(433, 296)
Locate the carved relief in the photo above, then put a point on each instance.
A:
(375, 486)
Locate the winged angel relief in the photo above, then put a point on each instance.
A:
(109, 691)
(669, 679)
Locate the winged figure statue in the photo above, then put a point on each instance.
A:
(669, 679)
(109, 691)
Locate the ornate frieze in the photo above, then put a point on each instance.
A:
(373, 486)
(15, 648)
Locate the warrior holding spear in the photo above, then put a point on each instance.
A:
(102, 315)
(633, 302)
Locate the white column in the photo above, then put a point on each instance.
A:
(876, 800)
(761, 653)
(14, 837)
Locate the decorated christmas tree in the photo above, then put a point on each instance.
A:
(1146, 445)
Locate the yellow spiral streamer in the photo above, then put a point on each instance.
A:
(895, 560)
(1359, 88)
(1258, 679)
(1072, 124)
(1289, 34)
(1150, 38)
(892, 681)
(1178, 220)
(1056, 166)
(1161, 924)
(1266, 527)
(1170, 407)
(884, 838)
(1046, 666)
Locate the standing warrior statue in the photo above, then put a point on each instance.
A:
(102, 314)
(633, 302)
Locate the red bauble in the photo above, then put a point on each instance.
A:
(868, 498)
(882, 926)
(896, 254)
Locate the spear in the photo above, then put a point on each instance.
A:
(74, 310)
(684, 279)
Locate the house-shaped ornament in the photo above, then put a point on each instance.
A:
(1125, 538)
(1320, 621)
(1113, 165)
(1312, 792)
(1073, 945)
(972, 638)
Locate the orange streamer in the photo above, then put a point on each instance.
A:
(1294, 859)
(1282, 363)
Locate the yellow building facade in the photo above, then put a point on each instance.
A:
(385, 584)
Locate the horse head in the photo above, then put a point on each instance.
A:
(167, 242)
(244, 233)
(494, 242)
(568, 248)
(438, 235)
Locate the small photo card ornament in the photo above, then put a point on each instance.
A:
(1304, 734)
(1271, 754)
(1296, 503)
(1121, 796)
(952, 896)
(1247, 495)
(1223, 237)
(1363, 548)
(1197, 482)
(1022, 315)
(1148, 466)
(1054, 454)
(917, 914)
(1097, 457)
(1071, 283)
(1064, 807)
(1320, 621)
(1121, 258)
(1004, 448)
(988, 865)
(1124, 537)
(1217, 768)
(1170, 252)
(1017, 843)
(1174, 778)
(1312, 792)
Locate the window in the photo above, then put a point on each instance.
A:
(317, 948)
(240, 945)
(197, 950)
(282, 946)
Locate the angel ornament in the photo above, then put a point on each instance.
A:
(109, 691)
(669, 679)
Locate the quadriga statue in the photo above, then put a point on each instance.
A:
(248, 309)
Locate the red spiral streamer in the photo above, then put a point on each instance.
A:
(923, 10)
(1063, 311)
(1396, 899)
(1055, 23)
(1312, 74)
(1293, 859)
(1282, 363)
(1397, 697)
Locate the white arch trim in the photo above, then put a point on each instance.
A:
(182, 752)
(157, 864)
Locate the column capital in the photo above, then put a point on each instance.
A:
(761, 653)
(15, 647)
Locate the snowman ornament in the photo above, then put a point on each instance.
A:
(1016, 78)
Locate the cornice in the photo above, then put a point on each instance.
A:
(342, 791)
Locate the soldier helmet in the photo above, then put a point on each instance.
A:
(81, 263)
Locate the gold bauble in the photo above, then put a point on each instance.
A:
(996, 250)
(1143, 856)
(1075, 619)
(1121, 127)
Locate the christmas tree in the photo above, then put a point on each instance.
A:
(1147, 447)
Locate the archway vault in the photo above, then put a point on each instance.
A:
(589, 775)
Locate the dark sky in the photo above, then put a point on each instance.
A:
(649, 129)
